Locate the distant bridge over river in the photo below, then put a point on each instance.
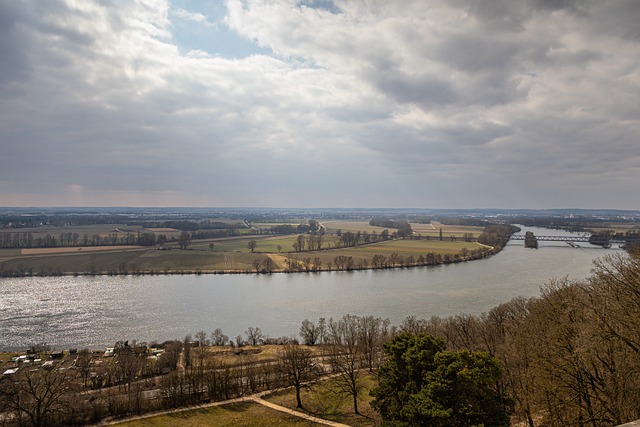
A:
(574, 239)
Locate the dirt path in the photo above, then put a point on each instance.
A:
(257, 398)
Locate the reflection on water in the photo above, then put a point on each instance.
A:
(97, 311)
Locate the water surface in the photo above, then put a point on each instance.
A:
(97, 311)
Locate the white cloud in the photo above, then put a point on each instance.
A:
(193, 16)
(410, 103)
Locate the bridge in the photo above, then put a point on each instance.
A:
(554, 238)
(572, 239)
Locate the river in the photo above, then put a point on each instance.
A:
(98, 311)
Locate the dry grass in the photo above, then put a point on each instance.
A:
(353, 226)
(447, 230)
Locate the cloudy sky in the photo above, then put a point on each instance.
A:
(320, 103)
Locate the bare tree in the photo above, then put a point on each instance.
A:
(311, 333)
(218, 338)
(345, 356)
(256, 263)
(268, 265)
(185, 239)
(201, 339)
(254, 335)
(373, 331)
(44, 397)
(251, 245)
(295, 363)
(83, 362)
(186, 347)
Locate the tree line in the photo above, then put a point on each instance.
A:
(70, 239)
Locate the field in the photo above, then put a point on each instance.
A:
(89, 230)
(433, 229)
(49, 251)
(263, 244)
(227, 254)
(354, 226)
(232, 415)
(403, 248)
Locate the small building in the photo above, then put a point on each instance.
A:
(57, 355)
(10, 371)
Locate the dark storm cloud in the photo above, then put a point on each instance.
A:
(14, 43)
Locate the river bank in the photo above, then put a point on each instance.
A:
(96, 311)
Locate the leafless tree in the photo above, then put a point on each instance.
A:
(218, 337)
(344, 353)
(44, 397)
(295, 363)
(254, 335)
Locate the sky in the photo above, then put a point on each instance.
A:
(320, 103)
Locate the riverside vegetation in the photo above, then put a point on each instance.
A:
(198, 246)
(569, 357)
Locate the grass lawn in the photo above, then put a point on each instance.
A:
(321, 400)
(237, 414)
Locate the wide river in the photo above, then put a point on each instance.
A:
(98, 311)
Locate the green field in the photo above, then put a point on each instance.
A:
(232, 415)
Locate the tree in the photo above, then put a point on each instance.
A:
(268, 265)
(310, 333)
(218, 337)
(251, 245)
(298, 245)
(295, 363)
(45, 397)
(185, 239)
(344, 354)
(421, 384)
(83, 362)
(254, 335)
(211, 246)
(256, 263)
(372, 332)
(186, 346)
